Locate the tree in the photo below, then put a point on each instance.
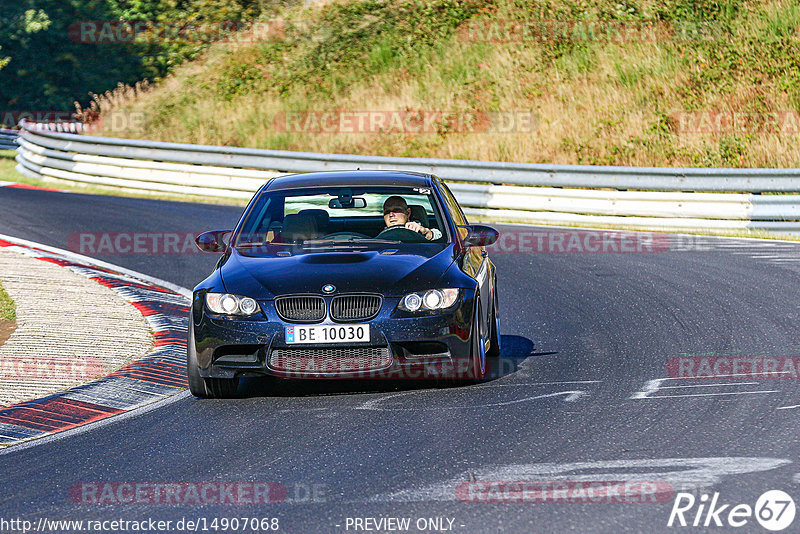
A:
(33, 21)
(48, 65)
(47, 68)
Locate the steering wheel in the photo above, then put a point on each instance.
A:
(401, 233)
(348, 234)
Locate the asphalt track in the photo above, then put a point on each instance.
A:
(587, 336)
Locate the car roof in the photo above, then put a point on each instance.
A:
(349, 178)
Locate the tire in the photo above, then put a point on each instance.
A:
(494, 336)
(477, 371)
(207, 388)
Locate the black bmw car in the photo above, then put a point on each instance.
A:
(345, 274)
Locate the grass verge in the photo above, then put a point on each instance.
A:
(8, 311)
(7, 164)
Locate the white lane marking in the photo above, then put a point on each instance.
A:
(536, 384)
(765, 373)
(709, 385)
(788, 407)
(770, 256)
(653, 386)
(763, 243)
(748, 247)
(681, 473)
(731, 375)
(374, 404)
(572, 396)
(776, 253)
(712, 394)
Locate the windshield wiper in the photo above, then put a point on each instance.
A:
(338, 242)
(360, 241)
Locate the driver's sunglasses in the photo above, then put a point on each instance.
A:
(398, 209)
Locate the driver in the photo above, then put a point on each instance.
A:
(397, 213)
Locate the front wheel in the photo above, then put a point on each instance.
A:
(494, 336)
(207, 388)
(477, 370)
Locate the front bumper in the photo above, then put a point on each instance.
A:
(401, 345)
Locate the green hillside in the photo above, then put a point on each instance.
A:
(664, 83)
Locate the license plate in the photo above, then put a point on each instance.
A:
(327, 333)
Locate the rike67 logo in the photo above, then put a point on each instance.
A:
(774, 510)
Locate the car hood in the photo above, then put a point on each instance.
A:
(267, 275)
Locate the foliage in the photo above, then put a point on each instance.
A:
(46, 67)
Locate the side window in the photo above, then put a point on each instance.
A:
(452, 204)
(257, 220)
(455, 210)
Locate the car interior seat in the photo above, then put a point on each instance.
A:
(297, 227)
(321, 218)
(419, 214)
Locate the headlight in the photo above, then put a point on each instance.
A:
(412, 302)
(227, 304)
(433, 299)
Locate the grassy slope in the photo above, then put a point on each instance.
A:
(598, 101)
(7, 309)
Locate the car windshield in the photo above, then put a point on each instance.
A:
(344, 217)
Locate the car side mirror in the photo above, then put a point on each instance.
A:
(479, 235)
(213, 241)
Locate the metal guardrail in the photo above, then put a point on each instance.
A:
(534, 193)
(61, 127)
(8, 139)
